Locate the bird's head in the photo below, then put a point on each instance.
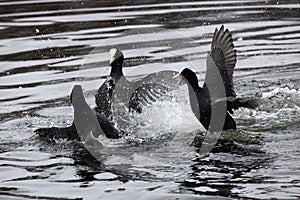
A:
(116, 58)
(187, 75)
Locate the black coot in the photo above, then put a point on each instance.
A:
(220, 65)
(132, 94)
(86, 121)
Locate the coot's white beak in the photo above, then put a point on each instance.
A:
(112, 53)
(178, 78)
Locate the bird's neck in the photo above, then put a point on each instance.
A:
(194, 88)
(116, 71)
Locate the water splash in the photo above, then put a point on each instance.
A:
(281, 108)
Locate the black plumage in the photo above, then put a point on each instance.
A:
(86, 121)
(218, 84)
(132, 94)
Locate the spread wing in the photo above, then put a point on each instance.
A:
(221, 62)
(223, 57)
(150, 89)
(145, 95)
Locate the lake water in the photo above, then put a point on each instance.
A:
(48, 46)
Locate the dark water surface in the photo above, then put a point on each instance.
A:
(48, 46)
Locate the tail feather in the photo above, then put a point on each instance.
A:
(246, 102)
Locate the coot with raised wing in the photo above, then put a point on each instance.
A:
(86, 121)
(131, 93)
(220, 64)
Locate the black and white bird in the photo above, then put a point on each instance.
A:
(218, 84)
(133, 94)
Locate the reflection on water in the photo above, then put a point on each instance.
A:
(47, 46)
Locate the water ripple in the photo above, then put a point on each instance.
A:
(47, 46)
